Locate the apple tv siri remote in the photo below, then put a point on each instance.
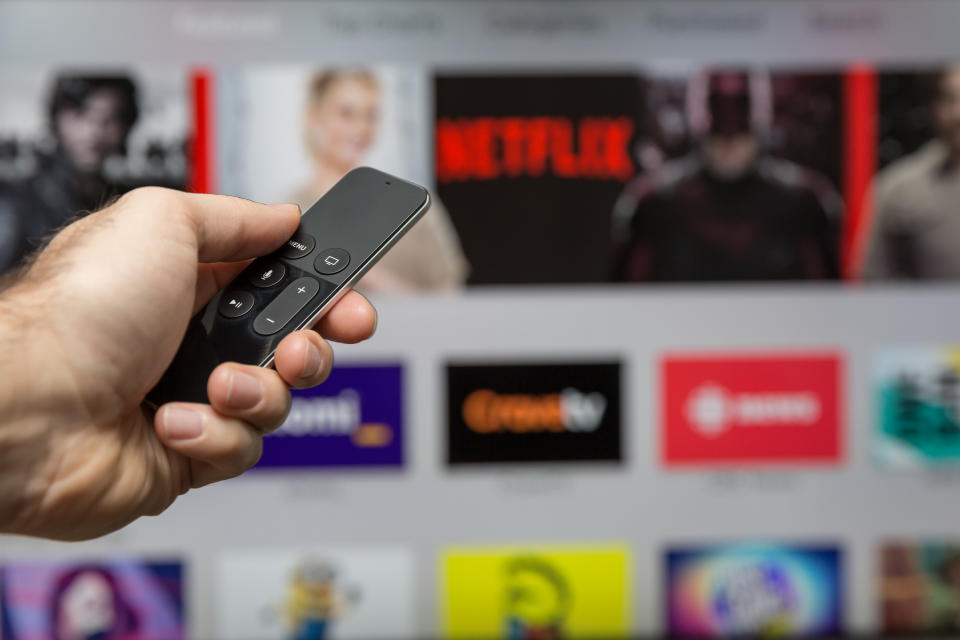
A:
(340, 237)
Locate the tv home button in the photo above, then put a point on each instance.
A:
(331, 261)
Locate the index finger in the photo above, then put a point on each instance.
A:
(229, 228)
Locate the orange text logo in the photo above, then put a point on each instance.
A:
(486, 411)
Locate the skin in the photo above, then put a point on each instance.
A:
(90, 135)
(946, 111)
(87, 607)
(340, 127)
(88, 330)
(730, 157)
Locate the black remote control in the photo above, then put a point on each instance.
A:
(339, 239)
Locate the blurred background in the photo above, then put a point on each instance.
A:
(676, 352)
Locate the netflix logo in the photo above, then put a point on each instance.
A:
(752, 409)
(530, 167)
(487, 148)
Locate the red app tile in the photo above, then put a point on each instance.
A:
(752, 409)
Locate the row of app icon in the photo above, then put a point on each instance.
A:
(715, 409)
(517, 592)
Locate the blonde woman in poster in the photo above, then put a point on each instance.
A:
(340, 123)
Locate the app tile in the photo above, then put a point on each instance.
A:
(758, 409)
(754, 590)
(536, 592)
(510, 412)
(917, 396)
(355, 418)
(315, 593)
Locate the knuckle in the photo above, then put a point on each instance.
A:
(249, 455)
(243, 451)
(275, 409)
(152, 195)
(159, 202)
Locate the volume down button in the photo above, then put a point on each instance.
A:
(286, 305)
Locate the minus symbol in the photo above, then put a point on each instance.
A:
(273, 321)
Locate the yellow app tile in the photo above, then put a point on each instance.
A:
(542, 592)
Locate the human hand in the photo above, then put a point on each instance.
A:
(89, 329)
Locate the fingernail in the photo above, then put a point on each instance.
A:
(285, 208)
(312, 362)
(244, 392)
(182, 424)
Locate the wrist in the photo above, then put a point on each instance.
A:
(25, 405)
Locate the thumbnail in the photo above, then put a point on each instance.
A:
(758, 409)
(712, 175)
(103, 599)
(354, 419)
(315, 594)
(71, 140)
(920, 588)
(291, 132)
(754, 590)
(545, 412)
(918, 406)
(536, 593)
(914, 230)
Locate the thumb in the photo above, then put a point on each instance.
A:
(230, 229)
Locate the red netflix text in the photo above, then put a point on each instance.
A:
(490, 148)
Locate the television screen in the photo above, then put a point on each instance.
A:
(672, 354)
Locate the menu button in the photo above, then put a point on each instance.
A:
(298, 246)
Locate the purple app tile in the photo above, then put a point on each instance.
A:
(353, 419)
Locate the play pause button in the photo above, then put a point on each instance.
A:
(234, 304)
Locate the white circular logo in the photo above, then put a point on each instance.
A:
(708, 408)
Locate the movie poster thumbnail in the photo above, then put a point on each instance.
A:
(913, 228)
(712, 175)
(72, 139)
(289, 133)
(106, 599)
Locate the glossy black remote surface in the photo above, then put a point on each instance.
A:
(339, 238)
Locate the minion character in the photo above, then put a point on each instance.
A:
(537, 600)
(314, 601)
